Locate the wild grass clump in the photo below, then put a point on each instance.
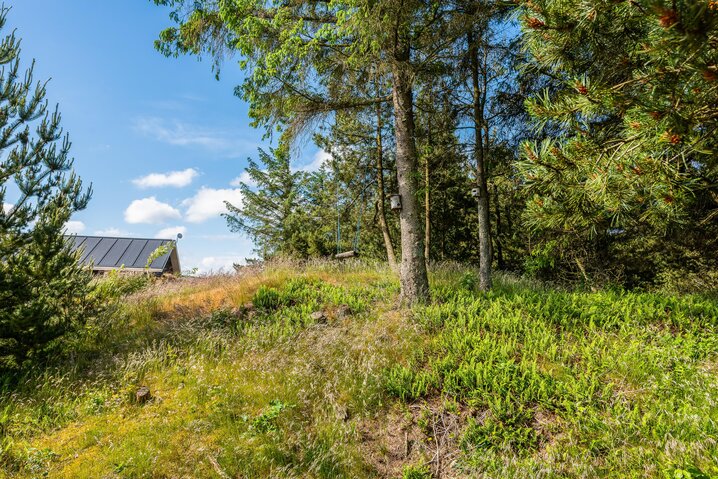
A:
(116, 284)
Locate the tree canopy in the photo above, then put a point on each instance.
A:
(564, 139)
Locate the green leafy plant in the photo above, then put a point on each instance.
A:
(416, 471)
(408, 385)
(267, 298)
(159, 252)
(468, 281)
(267, 421)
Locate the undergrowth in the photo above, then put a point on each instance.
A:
(315, 371)
(578, 384)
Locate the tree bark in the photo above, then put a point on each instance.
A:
(414, 279)
(383, 225)
(480, 157)
(427, 204)
(499, 246)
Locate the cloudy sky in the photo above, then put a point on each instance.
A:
(162, 142)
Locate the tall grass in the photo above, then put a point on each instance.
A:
(255, 390)
(525, 381)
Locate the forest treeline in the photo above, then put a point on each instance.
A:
(569, 140)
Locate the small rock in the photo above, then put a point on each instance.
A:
(319, 317)
(143, 395)
(343, 311)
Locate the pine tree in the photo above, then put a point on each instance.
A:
(360, 167)
(42, 288)
(632, 117)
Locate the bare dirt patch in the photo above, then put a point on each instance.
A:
(426, 432)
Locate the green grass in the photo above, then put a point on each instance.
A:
(525, 381)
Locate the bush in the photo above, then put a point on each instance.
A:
(115, 285)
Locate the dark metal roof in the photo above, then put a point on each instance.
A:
(106, 253)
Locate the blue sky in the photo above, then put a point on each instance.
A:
(160, 139)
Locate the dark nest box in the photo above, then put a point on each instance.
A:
(103, 254)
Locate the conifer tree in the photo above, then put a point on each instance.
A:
(303, 61)
(270, 209)
(362, 175)
(632, 117)
(42, 288)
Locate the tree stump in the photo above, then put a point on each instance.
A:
(143, 395)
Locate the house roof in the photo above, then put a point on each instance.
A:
(107, 253)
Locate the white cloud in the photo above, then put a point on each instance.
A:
(320, 157)
(176, 179)
(243, 178)
(7, 207)
(178, 133)
(218, 264)
(74, 227)
(209, 202)
(171, 232)
(112, 232)
(149, 210)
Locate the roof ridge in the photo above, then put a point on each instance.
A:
(116, 237)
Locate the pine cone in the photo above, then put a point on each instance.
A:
(535, 23)
(668, 18)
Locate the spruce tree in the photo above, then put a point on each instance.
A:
(42, 288)
(270, 209)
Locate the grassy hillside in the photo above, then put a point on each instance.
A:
(522, 382)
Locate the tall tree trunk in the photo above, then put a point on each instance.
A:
(509, 230)
(479, 154)
(427, 203)
(384, 226)
(427, 214)
(414, 280)
(499, 246)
